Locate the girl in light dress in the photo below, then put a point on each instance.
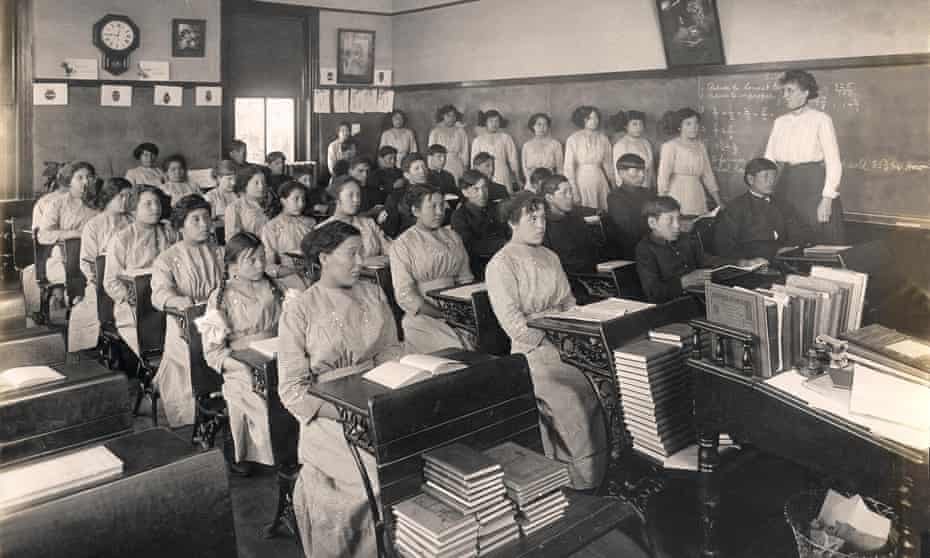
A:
(348, 195)
(634, 124)
(176, 184)
(255, 206)
(397, 135)
(147, 172)
(450, 133)
(587, 159)
(501, 146)
(685, 171)
(542, 151)
(334, 150)
(283, 234)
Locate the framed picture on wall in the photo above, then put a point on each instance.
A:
(690, 32)
(188, 37)
(356, 52)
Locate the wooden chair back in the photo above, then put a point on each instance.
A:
(492, 339)
(75, 282)
(40, 253)
(150, 323)
(204, 380)
(104, 302)
(488, 403)
(703, 231)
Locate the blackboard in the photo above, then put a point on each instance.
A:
(880, 113)
(106, 136)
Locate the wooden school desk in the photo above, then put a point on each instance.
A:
(474, 315)
(397, 426)
(622, 282)
(150, 336)
(588, 346)
(171, 500)
(381, 276)
(734, 401)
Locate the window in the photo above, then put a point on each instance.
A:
(265, 124)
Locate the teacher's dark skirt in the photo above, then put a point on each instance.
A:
(801, 188)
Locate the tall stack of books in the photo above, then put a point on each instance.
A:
(534, 483)
(424, 526)
(473, 484)
(656, 397)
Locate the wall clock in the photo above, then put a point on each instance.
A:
(116, 36)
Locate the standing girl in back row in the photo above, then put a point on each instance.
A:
(501, 146)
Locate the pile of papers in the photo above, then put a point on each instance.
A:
(534, 483)
(473, 484)
(656, 396)
(848, 522)
(424, 526)
(601, 311)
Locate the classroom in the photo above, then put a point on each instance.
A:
(460, 278)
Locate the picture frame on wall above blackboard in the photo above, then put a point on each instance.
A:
(356, 53)
(690, 32)
(188, 38)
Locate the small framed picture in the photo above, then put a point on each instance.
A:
(327, 76)
(356, 53)
(188, 37)
(690, 32)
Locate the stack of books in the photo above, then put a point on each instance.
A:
(426, 527)
(534, 483)
(656, 397)
(473, 484)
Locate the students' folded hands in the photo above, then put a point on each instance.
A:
(695, 278)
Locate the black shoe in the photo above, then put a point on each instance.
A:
(240, 469)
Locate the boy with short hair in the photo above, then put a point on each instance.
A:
(399, 216)
(483, 162)
(438, 176)
(386, 175)
(756, 224)
(225, 192)
(625, 223)
(478, 222)
(567, 233)
(536, 179)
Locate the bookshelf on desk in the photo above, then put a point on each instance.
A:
(589, 346)
(397, 427)
(729, 398)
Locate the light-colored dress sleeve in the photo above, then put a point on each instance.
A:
(666, 167)
(164, 283)
(406, 289)
(707, 173)
(294, 374)
(116, 264)
(465, 274)
(568, 166)
(92, 245)
(559, 155)
(332, 155)
(826, 134)
(215, 353)
(503, 290)
(512, 160)
(232, 221)
(50, 231)
(606, 159)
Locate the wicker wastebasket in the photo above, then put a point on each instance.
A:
(803, 507)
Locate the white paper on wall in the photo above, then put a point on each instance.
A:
(168, 96)
(321, 101)
(151, 70)
(328, 76)
(385, 100)
(50, 94)
(340, 100)
(80, 68)
(116, 95)
(208, 96)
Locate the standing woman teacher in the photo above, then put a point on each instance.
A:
(803, 144)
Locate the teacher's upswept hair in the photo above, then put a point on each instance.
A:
(804, 80)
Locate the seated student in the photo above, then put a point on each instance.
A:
(333, 150)
(282, 236)
(136, 247)
(55, 186)
(348, 195)
(667, 261)
(238, 152)
(437, 175)
(224, 194)
(525, 280)
(255, 206)
(183, 275)
(479, 225)
(625, 223)
(176, 184)
(484, 163)
(427, 256)
(245, 307)
(62, 219)
(567, 234)
(756, 224)
(147, 172)
(387, 175)
(373, 198)
(399, 218)
(112, 198)
(338, 327)
(277, 163)
(537, 177)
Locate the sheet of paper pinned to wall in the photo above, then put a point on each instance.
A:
(153, 70)
(211, 96)
(327, 76)
(340, 100)
(116, 95)
(357, 101)
(168, 96)
(321, 99)
(385, 100)
(50, 94)
(80, 68)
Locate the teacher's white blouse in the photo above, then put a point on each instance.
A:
(807, 136)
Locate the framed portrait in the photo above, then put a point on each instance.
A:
(690, 32)
(188, 37)
(356, 51)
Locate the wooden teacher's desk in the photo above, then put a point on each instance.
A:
(488, 403)
(850, 456)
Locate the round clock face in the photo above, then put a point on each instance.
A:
(117, 35)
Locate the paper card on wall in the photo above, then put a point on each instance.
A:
(383, 77)
(80, 68)
(168, 96)
(340, 100)
(205, 96)
(50, 94)
(321, 101)
(370, 100)
(385, 100)
(357, 101)
(149, 70)
(116, 95)
(356, 129)
(327, 76)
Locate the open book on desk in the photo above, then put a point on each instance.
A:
(267, 347)
(611, 265)
(601, 311)
(26, 376)
(464, 292)
(411, 369)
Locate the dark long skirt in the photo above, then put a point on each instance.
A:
(801, 187)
